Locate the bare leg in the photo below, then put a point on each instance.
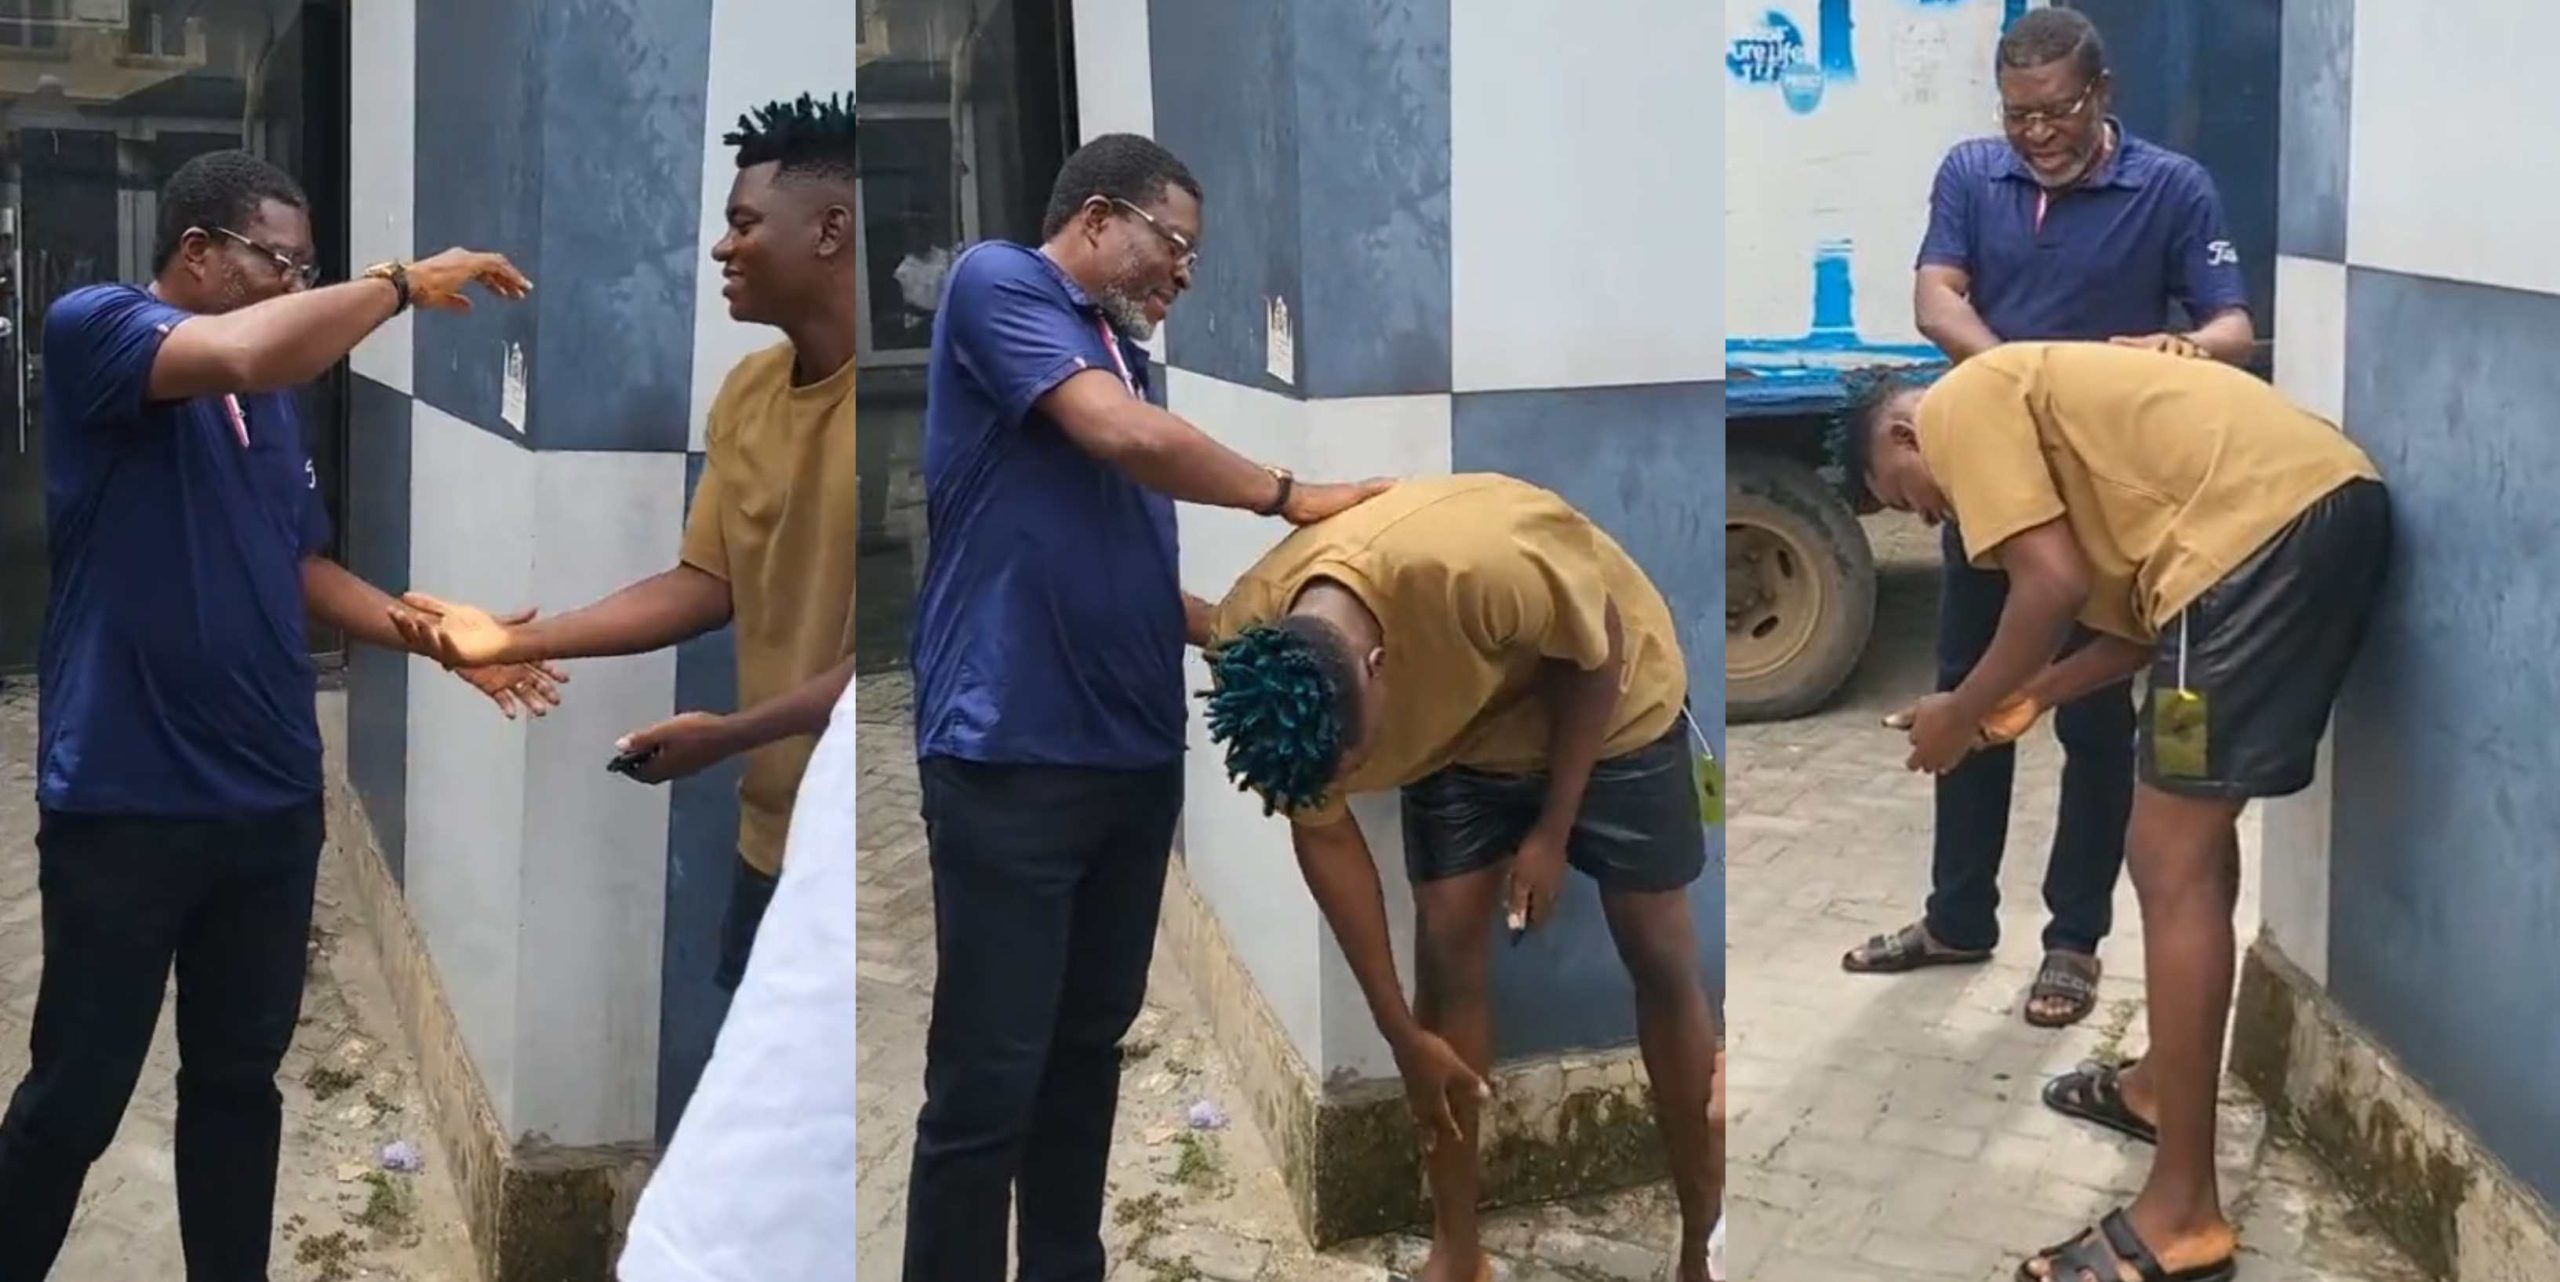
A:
(2185, 856)
(1453, 964)
(1677, 1030)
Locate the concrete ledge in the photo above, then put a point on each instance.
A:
(537, 1213)
(1558, 1127)
(2444, 1197)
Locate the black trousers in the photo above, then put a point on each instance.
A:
(750, 894)
(1973, 799)
(228, 901)
(1046, 885)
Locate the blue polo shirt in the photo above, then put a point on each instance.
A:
(176, 681)
(1049, 628)
(2105, 258)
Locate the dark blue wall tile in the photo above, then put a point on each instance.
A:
(2443, 890)
(2319, 83)
(1226, 103)
(376, 542)
(480, 178)
(1373, 146)
(1646, 464)
(623, 101)
(702, 858)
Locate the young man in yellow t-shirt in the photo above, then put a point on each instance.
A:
(2204, 528)
(1480, 644)
(769, 545)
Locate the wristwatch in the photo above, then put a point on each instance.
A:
(398, 275)
(1279, 501)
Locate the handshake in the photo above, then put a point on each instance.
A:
(482, 649)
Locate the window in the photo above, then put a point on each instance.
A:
(32, 24)
(917, 208)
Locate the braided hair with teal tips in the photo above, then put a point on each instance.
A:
(1285, 700)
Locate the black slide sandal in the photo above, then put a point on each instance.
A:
(2069, 977)
(2094, 1093)
(2098, 1252)
(1904, 951)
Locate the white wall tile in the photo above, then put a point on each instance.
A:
(382, 167)
(1586, 195)
(595, 844)
(2421, 203)
(471, 539)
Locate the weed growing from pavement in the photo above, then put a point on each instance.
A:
(330, 1254)
(1144, 1217)
(328, 1083)
(1200, 1166)
(390, 1208)
(2120, 1015)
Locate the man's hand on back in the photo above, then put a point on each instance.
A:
(2167, 344)
(1313, 501)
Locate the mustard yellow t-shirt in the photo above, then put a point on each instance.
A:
(1476, 581)
(774, 516)
(2171, 471)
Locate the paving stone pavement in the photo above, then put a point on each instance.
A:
(1889, 1128)
(347, 1092)
(1882, 1129)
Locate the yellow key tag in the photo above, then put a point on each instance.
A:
(2178, 734)
(1709, 776)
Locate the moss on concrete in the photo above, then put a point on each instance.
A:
(1602, 1139)
(2413, 1188)
(1356, 1166)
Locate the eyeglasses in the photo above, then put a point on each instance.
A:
(299, 274)
(2029, 118)
(1185, 256)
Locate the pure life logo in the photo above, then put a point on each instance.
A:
(1775, 53)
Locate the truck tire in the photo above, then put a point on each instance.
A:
(1800, 589)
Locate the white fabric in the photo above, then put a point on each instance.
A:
(758, 1183)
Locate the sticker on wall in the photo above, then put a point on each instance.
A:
(1280, 359)
(511, 393)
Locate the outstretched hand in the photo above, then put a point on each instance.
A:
(457, 636)
(531, 687)
(436, 284)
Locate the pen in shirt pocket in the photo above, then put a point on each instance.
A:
(239, 420)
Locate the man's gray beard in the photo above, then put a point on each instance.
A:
(1126, 316)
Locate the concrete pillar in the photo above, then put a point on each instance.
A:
(551, 928)
(1491, 228)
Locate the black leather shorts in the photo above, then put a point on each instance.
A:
(2267, 650)
(1639, 828)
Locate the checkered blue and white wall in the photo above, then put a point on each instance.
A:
(1496, 229)
(2418, 301)
(572, 916)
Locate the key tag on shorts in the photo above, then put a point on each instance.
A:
(2178, 741)
(1707, 775)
